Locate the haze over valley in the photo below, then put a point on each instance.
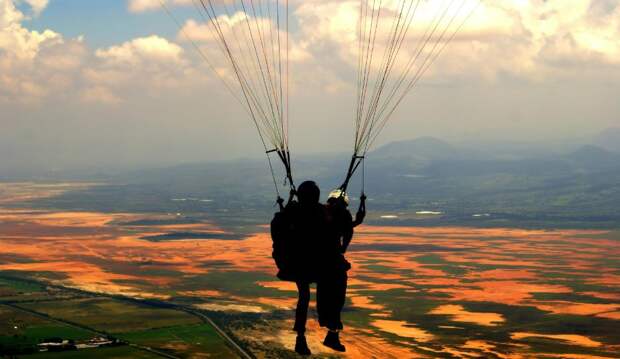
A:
(145, 144)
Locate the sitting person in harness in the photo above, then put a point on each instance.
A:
(297, 231)
(309, 241)
(332, 280)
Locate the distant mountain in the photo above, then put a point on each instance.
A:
(590, 152)
(423, 148)
(578, 187)
(594, 158)
(609, 139)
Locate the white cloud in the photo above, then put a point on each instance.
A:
(141, 51)
(143, 5)
(530, 39)
(235, 30)
(33, 64)
(17, 41)
(40, 65)
(149, 5)
(9, 14)
(146, 67)
(527, 39)
(37, 5)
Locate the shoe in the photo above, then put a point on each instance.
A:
(301, 346)
(333, 341)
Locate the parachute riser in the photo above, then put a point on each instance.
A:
(353, 165)
(285, 157)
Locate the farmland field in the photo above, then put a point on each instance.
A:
(112, 316)
(450, 292)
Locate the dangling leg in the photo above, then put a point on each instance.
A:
(301, 316)
(301, 312)
(332, 340)
(322, 301)
(337, 292)
(341, 297)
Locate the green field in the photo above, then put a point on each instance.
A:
(193, 339)
(16, 290)
(113, 316)
(166, 330)
(123, 352)
(20, 332)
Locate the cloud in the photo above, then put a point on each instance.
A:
(100, 95)
(514, 64)
(33, 64)
(36, 66)
(531, 40)
(235, 30)
(17, 41)
(524, 38)
(9, 14)
(138, 6)
(145, 65)
(142, 51)
(37, 5)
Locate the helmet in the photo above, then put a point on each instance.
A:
(338, 193)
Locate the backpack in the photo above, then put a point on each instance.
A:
(282, 236)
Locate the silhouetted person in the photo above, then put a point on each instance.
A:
(310, 240)
(332, 280)
(304, 226)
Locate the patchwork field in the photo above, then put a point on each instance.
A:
(447, 292)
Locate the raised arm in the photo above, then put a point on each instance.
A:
(291, 195)
(361, 211)
(291, 200)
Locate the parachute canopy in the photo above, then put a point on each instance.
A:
(398, 41)
(248, 48)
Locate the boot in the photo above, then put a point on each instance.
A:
(301, 346)
(332, 340)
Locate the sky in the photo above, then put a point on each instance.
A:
(115, 83)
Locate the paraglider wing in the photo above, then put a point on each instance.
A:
(399, 40)
(249, 54)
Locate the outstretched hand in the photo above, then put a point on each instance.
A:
(361, 212)
(359, 216)
(291, 196)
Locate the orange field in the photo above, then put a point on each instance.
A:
(413, 291)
